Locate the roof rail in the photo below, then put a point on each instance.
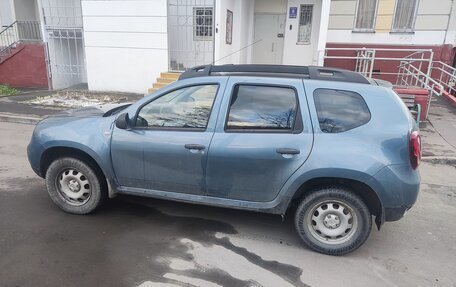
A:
(308, 72)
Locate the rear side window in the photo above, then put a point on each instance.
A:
(262, 108)
(340, 111)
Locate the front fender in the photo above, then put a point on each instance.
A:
(91, 136)
(99, 155)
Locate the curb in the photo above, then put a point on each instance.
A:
(19, 119)
(443, 160)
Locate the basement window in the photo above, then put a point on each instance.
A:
(202, 23)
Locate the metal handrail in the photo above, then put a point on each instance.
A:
(19, 32)
(6, 27)
(447, 76)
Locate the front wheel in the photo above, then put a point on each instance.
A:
(333, 221)
(75, 186)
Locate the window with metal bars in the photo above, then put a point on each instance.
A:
(405, 15)
(366, 12)
(202, 23)
(305, 24)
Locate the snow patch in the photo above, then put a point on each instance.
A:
(74, 99)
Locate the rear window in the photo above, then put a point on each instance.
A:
(340, 111)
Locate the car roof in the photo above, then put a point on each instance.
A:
(305, 72)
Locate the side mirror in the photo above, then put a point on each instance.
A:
(123, 121)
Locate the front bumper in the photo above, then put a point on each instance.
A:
(34, 152)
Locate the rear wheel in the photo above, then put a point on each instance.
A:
(333, 221)
(75, 186)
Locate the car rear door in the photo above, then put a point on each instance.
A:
(263, 135)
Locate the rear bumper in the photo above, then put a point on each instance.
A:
(394, 214)
(400, 185)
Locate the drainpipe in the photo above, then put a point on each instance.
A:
(448, 23)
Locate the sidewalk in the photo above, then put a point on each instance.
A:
(17, 109)
(439, 133)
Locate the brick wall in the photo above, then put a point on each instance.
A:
(25, 67)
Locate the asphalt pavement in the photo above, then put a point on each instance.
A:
(134, 241)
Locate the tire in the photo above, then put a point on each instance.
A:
(333, 221)
(75, 186)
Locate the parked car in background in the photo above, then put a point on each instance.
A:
(322, 143)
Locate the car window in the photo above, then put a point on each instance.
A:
(188, 107)
(262, 108)
(340, 111)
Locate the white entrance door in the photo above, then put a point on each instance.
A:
(269, 34)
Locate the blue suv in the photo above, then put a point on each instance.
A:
(324, 144)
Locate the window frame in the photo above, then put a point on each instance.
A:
(365, 30)
(195, 25)
(154, 128)
(340, 90)
(404, 31)
(297, 127)
(311, 25)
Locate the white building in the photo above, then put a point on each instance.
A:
(128, 43)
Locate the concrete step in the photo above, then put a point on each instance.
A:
(170, 75)
(165, 80)
(158, 85)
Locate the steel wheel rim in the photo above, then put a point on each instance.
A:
(73, 187)
(332, 222)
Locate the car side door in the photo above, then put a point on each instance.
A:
(166, 149)
(263, 135)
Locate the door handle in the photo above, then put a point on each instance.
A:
(195, 146)
(287, 151)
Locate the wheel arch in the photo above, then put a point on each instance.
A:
(363, 190)
(55, 152)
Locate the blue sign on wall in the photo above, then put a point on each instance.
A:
(293, 12)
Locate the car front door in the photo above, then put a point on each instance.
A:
(166, 150)
(263, 135)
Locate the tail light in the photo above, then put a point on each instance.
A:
(415, 149)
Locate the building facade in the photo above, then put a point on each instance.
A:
(124, 45)
(394, 28)
(149, 37)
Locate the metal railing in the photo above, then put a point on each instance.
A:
(19, 32)
(445, 75)
(403, 67)
(365, 59)
(365, 62)
(414, 69)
